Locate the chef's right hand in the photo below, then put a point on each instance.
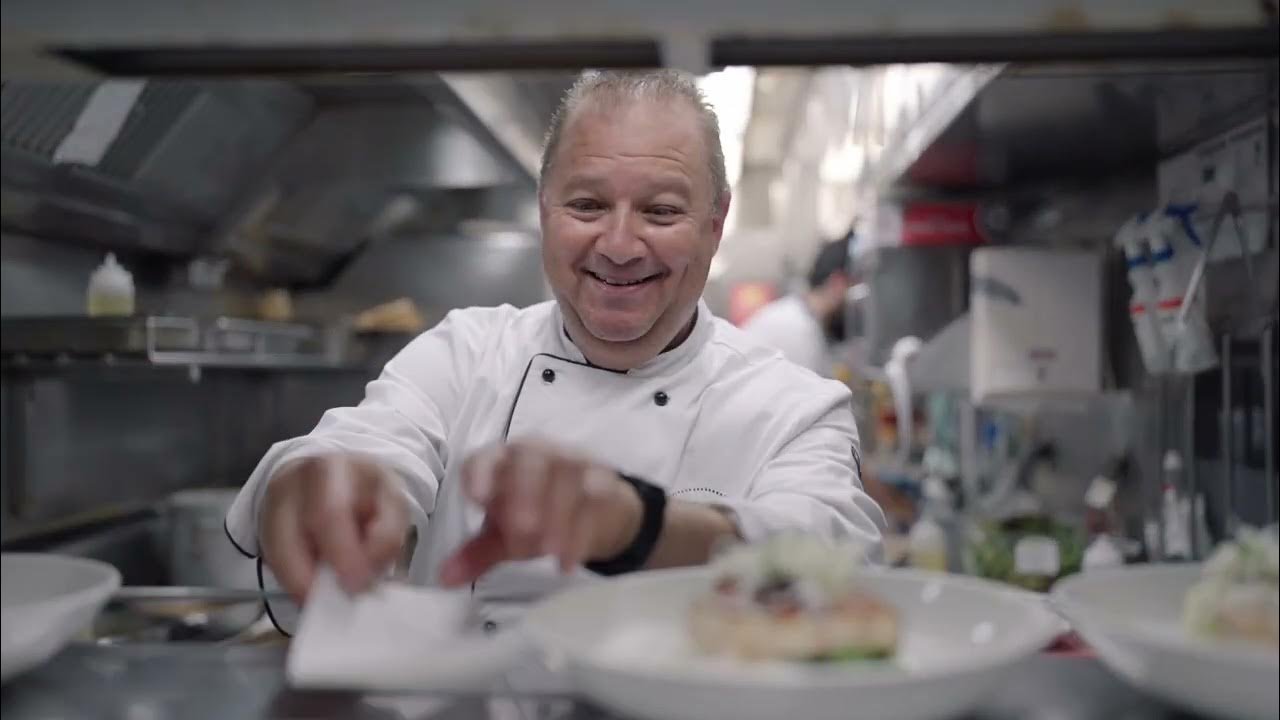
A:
(341, 510)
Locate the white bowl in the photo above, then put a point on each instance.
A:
(625, 646)
(1132, 617)
(47, 600)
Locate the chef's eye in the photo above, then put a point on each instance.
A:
(585, 205)
(663, 213)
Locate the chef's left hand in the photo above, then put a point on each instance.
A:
(542, 500)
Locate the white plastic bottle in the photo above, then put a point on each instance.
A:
(1173, 260)
(927, 541)
(110, 290)
(1103, 552)
(927, 545)
(1130, 239)
(1175, 510)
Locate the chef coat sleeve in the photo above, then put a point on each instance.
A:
(812, 483)
(402, 423)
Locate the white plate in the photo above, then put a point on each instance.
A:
(624, 645)
(48, 600)
(1132, 617)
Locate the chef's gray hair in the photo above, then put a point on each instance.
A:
(613, 89)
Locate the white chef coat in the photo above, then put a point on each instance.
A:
(788, 325)
(718, 419)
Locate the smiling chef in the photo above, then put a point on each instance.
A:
(617, 428)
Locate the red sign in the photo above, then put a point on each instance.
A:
(941, 224)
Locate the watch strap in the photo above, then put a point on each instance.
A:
(653, 499)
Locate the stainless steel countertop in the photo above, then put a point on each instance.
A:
(207, 682)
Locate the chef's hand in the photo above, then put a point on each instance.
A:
(541, 500)
(339, 510)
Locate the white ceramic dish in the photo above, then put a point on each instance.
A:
(1132, 617)
(625, 646)
(48, 600)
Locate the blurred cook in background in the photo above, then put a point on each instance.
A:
(804, 326)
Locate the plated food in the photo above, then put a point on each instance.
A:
(681, 645)
(1238, 595)
(793, 598)
(1196, 635)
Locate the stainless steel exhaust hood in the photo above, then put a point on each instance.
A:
(161, 182)
(290, 178)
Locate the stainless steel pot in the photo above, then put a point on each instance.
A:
(199, 553)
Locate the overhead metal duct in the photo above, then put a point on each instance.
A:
(330, 191)
(160, 180)
(291, 178)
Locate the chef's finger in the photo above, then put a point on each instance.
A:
(580, 537)
(597, 486)
(287, 551)
(563, 496)
(331, 523)
(479, 474)
(474, 558)
(524, 479)
(384, 531)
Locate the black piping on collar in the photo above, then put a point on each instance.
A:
(515, 401)
(564, 330)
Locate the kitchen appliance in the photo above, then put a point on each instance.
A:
(1036, 323)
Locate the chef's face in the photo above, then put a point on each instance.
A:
(630, 222)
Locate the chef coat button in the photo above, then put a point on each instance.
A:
(660, 398)
(548, 376)
(489, 625)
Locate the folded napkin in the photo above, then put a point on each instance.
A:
(397, 637)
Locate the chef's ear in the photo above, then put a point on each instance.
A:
(719, 213)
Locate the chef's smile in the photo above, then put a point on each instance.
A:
(623, 285)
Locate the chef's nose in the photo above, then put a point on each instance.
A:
(621, 243)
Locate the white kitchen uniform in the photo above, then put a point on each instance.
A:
(718, 419)
(788, 325)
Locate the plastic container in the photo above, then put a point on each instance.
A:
(927, 545)
(110, 292)
(1142, 281)
(1174, 258)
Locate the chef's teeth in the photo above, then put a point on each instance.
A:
(620, 283)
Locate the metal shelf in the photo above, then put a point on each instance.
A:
(51, 344)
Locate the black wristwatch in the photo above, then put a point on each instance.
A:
(635, 555)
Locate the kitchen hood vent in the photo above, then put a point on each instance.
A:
(151, 166)
(158, 110)
(36, 117)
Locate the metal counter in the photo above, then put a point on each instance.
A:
(247, 682)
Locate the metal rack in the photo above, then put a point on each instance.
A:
(169, 341)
